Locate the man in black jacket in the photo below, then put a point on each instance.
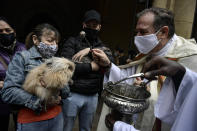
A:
(88, 76)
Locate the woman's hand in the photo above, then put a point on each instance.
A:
(79, 55)
(54, 100)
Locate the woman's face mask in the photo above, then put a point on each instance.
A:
(47, 51)
(146, 43)
(7, 39)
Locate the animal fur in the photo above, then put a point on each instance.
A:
(46, 80)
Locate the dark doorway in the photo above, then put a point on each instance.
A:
(118, 17)
(194, 28)
(39, 19)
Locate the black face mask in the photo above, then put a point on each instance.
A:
(91, 34)
(7, 39)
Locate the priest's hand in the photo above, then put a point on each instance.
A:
(111, 118)
(161, 66)
(100, 57)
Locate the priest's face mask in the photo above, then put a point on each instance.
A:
(148, 39)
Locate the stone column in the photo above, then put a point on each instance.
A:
(184, 14)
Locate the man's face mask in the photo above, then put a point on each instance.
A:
(91, 34)
(147, 42)
(47, 51)
(7, 39)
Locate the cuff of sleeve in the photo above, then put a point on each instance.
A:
(104, 69)
(35, 104)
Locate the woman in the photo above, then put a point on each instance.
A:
(8, 48)
(32, 116)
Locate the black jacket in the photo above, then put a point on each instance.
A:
(85, 80)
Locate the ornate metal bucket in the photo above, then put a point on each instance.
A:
(127, 99)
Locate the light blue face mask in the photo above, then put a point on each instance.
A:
(47, 51)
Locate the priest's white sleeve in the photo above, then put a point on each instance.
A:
(115, 74)
(170, 102)
(187, 115)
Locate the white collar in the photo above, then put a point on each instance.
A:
(164, 50)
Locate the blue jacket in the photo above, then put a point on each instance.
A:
(21, 64)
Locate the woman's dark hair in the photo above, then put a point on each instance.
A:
(6, 20)
(38, 31)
